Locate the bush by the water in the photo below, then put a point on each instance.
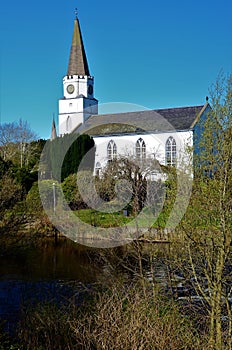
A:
(122, 317)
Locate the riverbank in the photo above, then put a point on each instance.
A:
(139, 281)
(119, 316)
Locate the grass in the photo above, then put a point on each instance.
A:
(100, 219)
(117, 219)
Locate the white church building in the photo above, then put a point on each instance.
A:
(163, 134)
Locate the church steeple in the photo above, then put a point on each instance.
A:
(78, 102)
(78, 64)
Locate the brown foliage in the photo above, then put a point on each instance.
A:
(120, 318)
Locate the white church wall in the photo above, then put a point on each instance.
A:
(73, 105)
(68, 122)
(155, 146)
(77, 111)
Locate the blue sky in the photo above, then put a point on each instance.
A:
(155, 53)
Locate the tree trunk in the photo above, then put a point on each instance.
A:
(216, 303)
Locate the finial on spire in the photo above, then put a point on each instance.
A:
(76, 12)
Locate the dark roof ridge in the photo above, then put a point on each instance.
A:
(161, 120)
(180, 107)
(148, 111)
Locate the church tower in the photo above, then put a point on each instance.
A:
(78, 103)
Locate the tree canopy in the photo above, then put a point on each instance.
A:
(62, 156)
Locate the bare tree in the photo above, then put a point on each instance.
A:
(15, 139)
(130, 180)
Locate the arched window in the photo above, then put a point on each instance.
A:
(111, 150)
(68, 124)
(97, 169)
(140, 149)
(170, 151)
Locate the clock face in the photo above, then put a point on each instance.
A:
(90, 89)
(70, 88)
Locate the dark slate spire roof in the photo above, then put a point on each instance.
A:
(78, 64)
(54, 133)
(160, 120)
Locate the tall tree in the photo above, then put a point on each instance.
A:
(62, 156)
(208, 221)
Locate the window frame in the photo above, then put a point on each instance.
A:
(170, 151)
(140, 149)
(111, 150)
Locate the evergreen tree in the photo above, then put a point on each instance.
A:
(63, 155)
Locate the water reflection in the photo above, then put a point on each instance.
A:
(65, 261)
(51, 272)
(48, 273)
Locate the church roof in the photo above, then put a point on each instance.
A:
(160, 120)
(78, 64)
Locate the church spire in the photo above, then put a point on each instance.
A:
(78, 64)
(78, 102)
(54, 133)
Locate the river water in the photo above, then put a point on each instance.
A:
(55, 272)
(48, 273)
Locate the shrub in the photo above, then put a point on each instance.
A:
(120, 318)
